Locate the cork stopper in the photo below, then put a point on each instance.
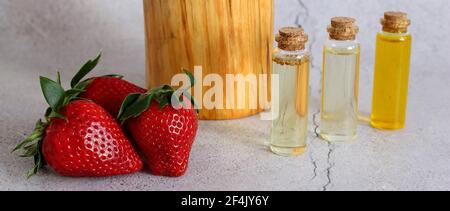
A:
(343, 28)
(292, 39)
(395, 22)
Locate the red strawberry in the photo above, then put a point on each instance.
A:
(165, 134)
(110, 92)
(107, 91)
(79, 138)
(88, 143)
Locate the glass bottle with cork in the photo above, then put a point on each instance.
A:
(340, 81)
(392, 63)
(291, 63)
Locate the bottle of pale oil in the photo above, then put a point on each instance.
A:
(340, 81)
(393, 52)
(291, 63)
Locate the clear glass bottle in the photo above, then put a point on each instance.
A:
(291, 62)
(340, 81)
(393, 53)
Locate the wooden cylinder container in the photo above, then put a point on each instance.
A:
(221, 36)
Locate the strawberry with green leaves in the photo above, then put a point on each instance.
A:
(163, 126)
(78, 137)
(107, 91)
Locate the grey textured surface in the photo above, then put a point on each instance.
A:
(38, 37)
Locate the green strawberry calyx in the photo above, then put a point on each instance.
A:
(135, 104)
(57, 98)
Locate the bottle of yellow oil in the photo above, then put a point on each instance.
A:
(393, 52)
(340, 81)
(291, 64)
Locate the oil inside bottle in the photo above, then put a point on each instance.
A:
(392, 64)
(339, 118)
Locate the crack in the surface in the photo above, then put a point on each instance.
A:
(316, 123)
(316, 137)
(330, 166)
(306, 18)
(316, 167)
(305, 8)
